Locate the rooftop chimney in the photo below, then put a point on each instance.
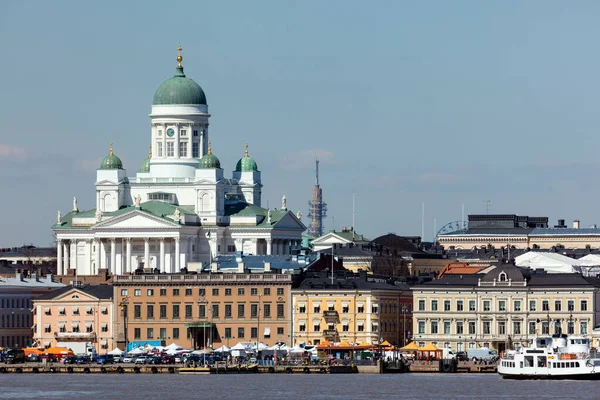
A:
(214, 267)
(576, 224)
(240, 268)
(267, 267)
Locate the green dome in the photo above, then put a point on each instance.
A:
(246, 163)
(111, 161)
(146, 164)
(179, 90)
(209, 160)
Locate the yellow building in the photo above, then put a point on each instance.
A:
(355, 308)
(503, 306)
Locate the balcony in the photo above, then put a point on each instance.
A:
(330, 333)
(330, 315)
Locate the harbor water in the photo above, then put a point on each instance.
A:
(288, 386)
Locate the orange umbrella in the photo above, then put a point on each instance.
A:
(31, 350)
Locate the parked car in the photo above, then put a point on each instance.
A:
(140, 359)
(83, 359)
(128, 359)
(167, 360)
(105, 359)
(462, 356)
(33, 358)
(69, 360)
(13, 356)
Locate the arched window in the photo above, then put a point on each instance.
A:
(502, 277)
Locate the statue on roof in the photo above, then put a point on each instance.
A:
(98, 215)
(58, 218)
(138, 201)
(75, 209)
(269, 216)
(177, 215)
(299, 215)
(284, 203)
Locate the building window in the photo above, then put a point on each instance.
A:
(175, 292)
(267, 291)
(345, 309)
(434, 305)
(280, 330)
(163, 333)
(571, 328)
(267, 310)
(421, 327)
(545, 305)
(434, 327)
(502, 305)
(228, 333)
(421, 305)
(188, 311)
(188, 291)
(302, 309)
(302, 328)
(163, 292)
(150, 292)
(459, 305)
(175, 311)
(215, 292)
(137, 292)
(47, 329)
(486, 305)
(254, 291)
(517, 305)
(159, 149)
(183, 132)
(240, 333)
(280, 291)
(532, 327)
(571, 305)
(241, 310)
(202, 292)
(345, 328)
(486, 327)
(160, 132)
(254, 310)
(150, 311)
(231, 248)
(202, 311)
(446, 305)
(175, 333)
(170, 149)
(163, 311)
(123, 292)
(532, 305)
(557, 305)
(254, 332)
(517, 327)
(89, 311)
(472, 328)
(215, 310)
(583, 328)
(280, 310)
(545, 328)
(75, 310)
(361, 327)
(137, 311)
(583, 305)
(459, 328)
(182, 149)
(150, 333)
(195, 150)
(228, 311)
(240, 291)
(195, 133)
(137, 333)
(502, 328)
(446, 327)
(472, 305)
(557, 327)
(228, 292)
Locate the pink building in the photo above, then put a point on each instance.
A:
(79, 318)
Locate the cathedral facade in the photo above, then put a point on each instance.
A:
(179, 208)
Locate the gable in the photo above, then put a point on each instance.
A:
(136, 219)
(75, 295)
(330, 238)
(289, 221)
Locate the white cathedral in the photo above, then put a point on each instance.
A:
(179, 208)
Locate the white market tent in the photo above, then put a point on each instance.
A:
(590, 264)
(116, 352)
(222, 349)
(552, 263)
(137, 350)
(239, 350)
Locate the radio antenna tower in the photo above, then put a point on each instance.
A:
(317, 209)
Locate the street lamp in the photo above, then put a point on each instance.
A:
(258, 323)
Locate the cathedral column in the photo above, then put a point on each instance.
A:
(162, 256)
(74, 255)
(103, 254)
(113, 256)
(66, 265)
(98, 243)
(146, 253)
(269, 246)
(177, 255)
(254, 246)
(177, 140)
(128, 261)
(59, 258)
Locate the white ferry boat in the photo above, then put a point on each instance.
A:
(558, 357)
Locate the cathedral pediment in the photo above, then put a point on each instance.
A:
(289, 221)
(136, 220)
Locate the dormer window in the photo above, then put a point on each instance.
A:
(162, 196)
(502, 277)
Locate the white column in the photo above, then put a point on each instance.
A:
(97, 243)
(89, 257)
(146, 253)
(74, 255)
(128, 267)
(113, 256)
(177, 255)
(59, 257)
(162, 256)
(184, 253)
(66, 249)
(103, 254)
(269, 247)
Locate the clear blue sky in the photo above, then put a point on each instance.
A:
(435, 102)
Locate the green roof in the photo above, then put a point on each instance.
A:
(179, 90)
(246, 163)
(145, 165)
(351, 236)
(111, 161)
(209, 161)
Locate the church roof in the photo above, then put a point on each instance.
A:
(179, 89)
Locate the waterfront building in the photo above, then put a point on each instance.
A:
(205, 309)
(503, 305)
(355, 308)
(519, 232)
(78, 318)
(179, 207)
(16, 296)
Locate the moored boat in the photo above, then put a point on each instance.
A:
(557, 357)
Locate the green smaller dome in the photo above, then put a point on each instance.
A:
(146, 164)
(209, 160)
(246, 163)
(111, 161)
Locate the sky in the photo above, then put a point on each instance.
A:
(441, 103)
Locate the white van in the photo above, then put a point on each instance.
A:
(481, 353)
(448, 354)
